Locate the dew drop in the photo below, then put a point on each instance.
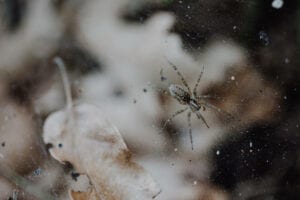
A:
(277, 4)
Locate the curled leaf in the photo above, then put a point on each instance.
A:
(95, 148)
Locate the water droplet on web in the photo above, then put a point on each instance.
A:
(37, 172)
(277, 4)
(263, 37)
(286, 60)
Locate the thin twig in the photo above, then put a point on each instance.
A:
(67, 88)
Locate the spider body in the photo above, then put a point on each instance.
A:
(179, 93)
(191, 100)
(183, 97)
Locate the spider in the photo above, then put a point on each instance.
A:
(193, 102)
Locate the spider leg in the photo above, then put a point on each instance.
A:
(202, 118)
(208, 105)
(174, 115)
(204, 97)
(197, 83)
(190, 129)
(181, 77)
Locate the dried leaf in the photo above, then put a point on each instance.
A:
(86, 139)
(89, 195)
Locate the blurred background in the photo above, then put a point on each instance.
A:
(114, 52)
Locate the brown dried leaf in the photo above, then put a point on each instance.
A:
(95, 147)
(89, 195)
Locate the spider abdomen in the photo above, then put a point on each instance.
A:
(179, 93)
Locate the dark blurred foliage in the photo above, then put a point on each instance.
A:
(13, 13)
(76, 57)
